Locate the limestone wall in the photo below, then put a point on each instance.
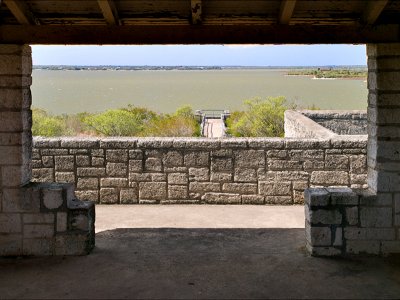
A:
(182, 170)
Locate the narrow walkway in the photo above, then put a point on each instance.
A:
(214, 128)
(199, 252)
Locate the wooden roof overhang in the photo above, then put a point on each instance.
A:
(199, 21)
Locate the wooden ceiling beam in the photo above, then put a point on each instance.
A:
(204, 34)
(196, 8)
(373, 10)
(21, 12)
(286, 11)
(109, 11)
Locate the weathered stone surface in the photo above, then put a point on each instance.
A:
(116, 169)
(91, 172)
(204, 187)
(282, 200)
(249, 158)
(245, 175)
(88, 183)
(52, 197)
(109, 195)
(177, 192)
(152, 190)
(352, 215)
(153, 164)
(114, 182)
(117, 155)
(197, 159)
(10, 223)
(221, 177)
(82, 160)
(336, 162)
(199, 174)
(173, 159)
(64, 163)
(38, 231)
(68, 177)
(324, 217)
(328, 178)
(376, 216)
(129, 196)
(43, 175)
(270, 188)
(319, 236)
(88, 195)
(221, 164)
(240, 188)
(252, 199)
(177, 178)
(97, 161)
(356, 233)
(221, 198)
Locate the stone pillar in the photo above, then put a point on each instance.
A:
(15, 141)
(366, 221)
(35, 218)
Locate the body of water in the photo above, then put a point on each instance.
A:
(60, 91)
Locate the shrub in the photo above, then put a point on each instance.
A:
(262, 118)
(44, 124)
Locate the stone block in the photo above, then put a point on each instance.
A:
(281, 200)
(376, 217)
(234, 143)
(109, 195)
(97, 152)
(316, 197)
(266, 143)
(88, 183)
(64, 163)
(14, 176)
(362, 247)
(97, 161)
(300, 143)
(158, 177)
(338, 240)
(91, 172)
(82, 160)
(197, 159)
(240, 188)
(73, 244)
(38, 247)
(343, 196)
(300, 185)
(138, 177)
(390, 247)
(116, 169)
(177, 178)
(136, 154)
(177, 192)
(324, 217)
(80, 143)
(11, 244)
(329, 178)
(222, 153)
(252, 199)
(152, 190)
(118, 156)
(319, 236)
(199, 174)
(20, 200)
(245, 175)
(249, 158)
(270, 188)
(86, 195)
(358, 164)
(359, 179)
(336, 162)
(313, 165)
(352, 215)
(118, 143)
(79, 222)
(38, 231)
(221, 164)
(323, 251)
(221, 177)
(281, 154)
(53, 197)
(129, 196)
(284, 165)
(114, 182)
(303, 155)
(354, 233)
(204, 187)
(173, 159)
(221, 198)
(135, 166)
(298, 197)
(66, 177)
(38, 218)
(153, 164)
(10, 223)
(62, 219)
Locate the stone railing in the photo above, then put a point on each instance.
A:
(184, 170)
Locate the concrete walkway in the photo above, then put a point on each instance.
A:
(214, 128)
(199, 252)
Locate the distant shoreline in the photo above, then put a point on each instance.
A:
(179, 68)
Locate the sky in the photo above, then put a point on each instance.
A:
(201, 55)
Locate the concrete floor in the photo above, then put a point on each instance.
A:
(199, 252)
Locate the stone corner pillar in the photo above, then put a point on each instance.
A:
(35, 218)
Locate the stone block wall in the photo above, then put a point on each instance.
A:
(344, 222)
(215, 171)
(342, 122)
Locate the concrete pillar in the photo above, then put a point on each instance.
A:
(35, 218)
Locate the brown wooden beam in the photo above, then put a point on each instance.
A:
(204, 34)
(109, 11)
(373, 10)
(196, 7)
(286, 11)
(21, 12)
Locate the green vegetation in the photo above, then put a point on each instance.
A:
(262, 118)
(331, 73)
(130, 121)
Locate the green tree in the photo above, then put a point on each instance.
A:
(44, 124)
(262, 118)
